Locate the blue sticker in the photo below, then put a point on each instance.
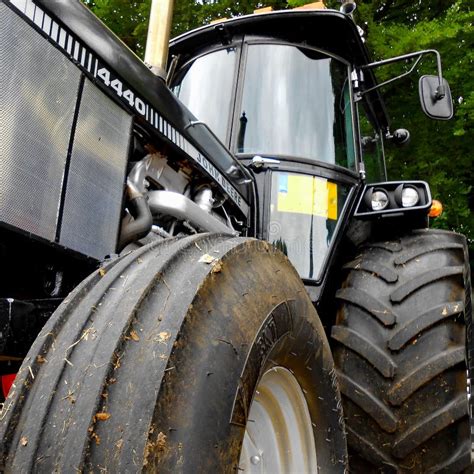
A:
(282, 183)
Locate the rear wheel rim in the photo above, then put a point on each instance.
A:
(279, 433)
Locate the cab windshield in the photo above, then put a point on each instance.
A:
(295, 102)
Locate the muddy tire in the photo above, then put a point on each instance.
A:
(400, 355)
(152, 363)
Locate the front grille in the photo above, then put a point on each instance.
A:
(96, 176)
(38, 94)
(73, 199)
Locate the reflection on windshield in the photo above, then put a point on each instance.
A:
(292, 105)
(206, 89)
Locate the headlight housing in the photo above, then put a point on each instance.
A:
(379, 200)
(410, 197)
(395, 198)
(407, 195)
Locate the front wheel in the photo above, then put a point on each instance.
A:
(170, 359)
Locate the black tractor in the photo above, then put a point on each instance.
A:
(205, 267)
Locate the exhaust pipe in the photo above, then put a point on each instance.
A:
(174, 204)
(348, 8)
(137, 228)
(157, 43)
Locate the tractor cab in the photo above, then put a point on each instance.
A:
(278, 90)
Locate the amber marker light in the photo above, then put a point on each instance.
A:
(436, 209)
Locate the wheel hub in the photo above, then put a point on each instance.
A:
(279, 433)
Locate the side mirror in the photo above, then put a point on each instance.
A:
(435, 98)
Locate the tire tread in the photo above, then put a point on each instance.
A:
(429, 426)
(414, 327)
(366, 348)
(368, 303)
(425, 348)
(368, 402)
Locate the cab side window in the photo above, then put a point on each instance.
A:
(372, 148)
(206, 89)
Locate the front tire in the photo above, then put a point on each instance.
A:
(401, 356)
(153, 362)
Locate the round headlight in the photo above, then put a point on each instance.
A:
(410, 197)
(379, 200)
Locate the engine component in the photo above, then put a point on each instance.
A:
(142, 218)
(181, 207)
(204, 199)
(150, 167)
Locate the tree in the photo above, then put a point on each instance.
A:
(127, 19)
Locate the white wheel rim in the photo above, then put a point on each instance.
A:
(279, 433)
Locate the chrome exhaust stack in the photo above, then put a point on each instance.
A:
(156, 53)
(348, 8)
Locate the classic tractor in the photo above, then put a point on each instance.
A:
(209, 271)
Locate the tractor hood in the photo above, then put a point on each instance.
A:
(89, 29)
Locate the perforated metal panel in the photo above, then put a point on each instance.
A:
(38, 93)
(94, 192)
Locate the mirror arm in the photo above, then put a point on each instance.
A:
(440, 91)
(393, 79)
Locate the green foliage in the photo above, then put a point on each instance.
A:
(127, 19)
(440, 152)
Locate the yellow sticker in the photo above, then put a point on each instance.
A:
(303, 194)
(332, 200)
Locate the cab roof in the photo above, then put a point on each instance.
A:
(314, 28)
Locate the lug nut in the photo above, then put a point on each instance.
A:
(255, 459)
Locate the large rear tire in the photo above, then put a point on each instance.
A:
(401, 355)
(153, 362)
